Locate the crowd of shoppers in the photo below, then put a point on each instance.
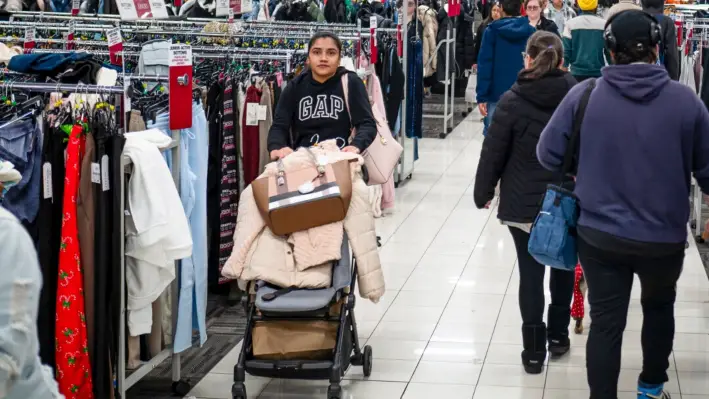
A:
(642, 132)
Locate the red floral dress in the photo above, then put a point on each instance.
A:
(72, 354)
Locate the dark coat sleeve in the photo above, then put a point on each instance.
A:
(478, 41)
(495, 152)
(671, 49)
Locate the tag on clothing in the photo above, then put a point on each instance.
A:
(47, 180)
(252, 114)
(105, 183)
(114, 37)
(95, 173)
(262, 112)
(279, 79)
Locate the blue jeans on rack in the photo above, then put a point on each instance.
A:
(21, 144)
(194, 156)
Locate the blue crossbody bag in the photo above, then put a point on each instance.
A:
(552, 240)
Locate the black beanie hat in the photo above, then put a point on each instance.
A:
(632, 29)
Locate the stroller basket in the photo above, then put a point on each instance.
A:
(333, 306)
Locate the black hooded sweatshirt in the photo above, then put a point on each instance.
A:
(509, 151)
(315, 112)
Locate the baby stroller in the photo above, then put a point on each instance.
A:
(275, 304)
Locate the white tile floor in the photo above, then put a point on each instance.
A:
(449, 326)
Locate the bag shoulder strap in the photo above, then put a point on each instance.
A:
(346, 89)
(572, 148)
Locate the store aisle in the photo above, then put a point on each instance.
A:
(449, 325)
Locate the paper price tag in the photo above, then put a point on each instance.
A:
(29, 43)
(114, 37)
(70, 36)
(75, 6)
(252, 114)
(105, 181)
(400, 18)
(95, 173)
(262, 112)
(230, 19)
(47, 180)
(373, 22)
(126, 98)
(72, 27)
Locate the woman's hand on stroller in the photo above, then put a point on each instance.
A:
(351, 148)
(280, 154)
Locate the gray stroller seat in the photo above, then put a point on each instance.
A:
(300, 300)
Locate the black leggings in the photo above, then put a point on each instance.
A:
(531, 290)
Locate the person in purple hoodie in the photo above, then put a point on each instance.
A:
(642, 137)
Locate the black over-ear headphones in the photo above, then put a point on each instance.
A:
(612, 43)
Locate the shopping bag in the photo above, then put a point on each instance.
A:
(470, 88)
(552, 240)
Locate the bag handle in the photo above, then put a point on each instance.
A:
(346, 90)
(572, 149)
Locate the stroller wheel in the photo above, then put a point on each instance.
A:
(238, 391)
(367, 360)
(334, 391)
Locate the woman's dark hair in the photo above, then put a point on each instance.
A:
(635, 54)
(511, 8)
(325, 35)
(546, 51)
(489, 19)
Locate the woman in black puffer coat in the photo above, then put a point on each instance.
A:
(509, 156)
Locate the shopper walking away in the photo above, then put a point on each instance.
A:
(669, 51)
(312, 107)
(560, 12)
(536, 18)
(508, 155)
(22, 375)
(642, 136)
(500, 58)
(583, 42)
(622, 5)
(495, 14)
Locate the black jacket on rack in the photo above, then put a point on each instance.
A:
(444, 22)
(509, 151)
(391, 76)
(464, 41)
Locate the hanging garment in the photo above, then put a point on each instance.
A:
(85, 222)
(215, 101)
(192, 310)
(250, 137)
(73, 367)
(50, 213)
(264, 126)
(414, 103)
(21, 144)
(20, 292)
(229, 184)
(686, 76)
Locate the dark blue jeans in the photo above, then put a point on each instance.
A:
(21, 144)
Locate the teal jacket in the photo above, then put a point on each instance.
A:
(584, 46)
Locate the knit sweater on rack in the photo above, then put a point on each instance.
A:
(642, 137)
(310, 112)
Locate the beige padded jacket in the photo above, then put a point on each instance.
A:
(303, 259)
(429, 20)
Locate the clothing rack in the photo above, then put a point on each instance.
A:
(123, 382)
(449, 85)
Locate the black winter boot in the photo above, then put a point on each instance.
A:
(535, 351)
(558, 319)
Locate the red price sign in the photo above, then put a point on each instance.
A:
(29, 43)
(180, 86)
(141, 9)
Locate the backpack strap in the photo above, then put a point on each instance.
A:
(572, 149)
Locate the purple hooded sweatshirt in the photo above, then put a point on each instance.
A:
(642, 137)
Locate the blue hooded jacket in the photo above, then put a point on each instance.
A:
(642, 137)
(500, 58)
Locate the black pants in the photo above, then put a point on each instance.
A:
(531, 290)
(609, 276)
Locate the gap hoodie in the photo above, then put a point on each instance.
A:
(642, 137)
(500, 58)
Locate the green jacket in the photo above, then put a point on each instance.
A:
(584, 46)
